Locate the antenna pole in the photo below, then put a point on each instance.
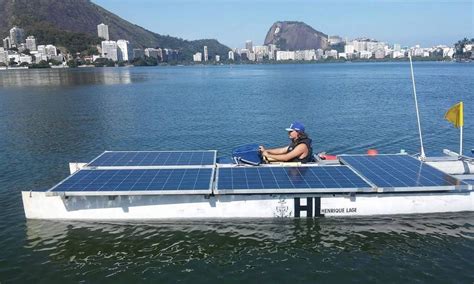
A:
(422, 156)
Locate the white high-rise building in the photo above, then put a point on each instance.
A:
(231, 55)
(41, 49)
(31, 43)
(348, 48)
(3, 56)
(110, 50)
(50, 50)
(103, 31)
(197, 57)
(206, 55)
(285, 55)
(124, 50)
(17, 36)
(151, 52)
(249, 45)
(335, 39)
(272, 51)
(6, 43)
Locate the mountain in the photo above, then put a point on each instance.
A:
(291, 35)
(73, 25)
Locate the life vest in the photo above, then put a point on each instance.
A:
(293, 145)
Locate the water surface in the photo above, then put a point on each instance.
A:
(51, 117)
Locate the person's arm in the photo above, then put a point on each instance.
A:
(277, 151)
(284, 157)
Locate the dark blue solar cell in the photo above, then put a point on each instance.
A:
(134, 158)
(287, 178)
(398, 171)
(137, 180)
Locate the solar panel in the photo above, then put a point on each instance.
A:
(469, 181)
(154, 158)
(289, 180)
(399, 171)
(145, 181)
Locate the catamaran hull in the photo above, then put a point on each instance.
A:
(39, 205)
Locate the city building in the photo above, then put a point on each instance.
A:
(13, 57)
(310, 55)
(138, 53)
(244, 53)
(331, 53)
(348, 48)
(17, 36)
(110, 50)
(285, 55)
(299, 55)
(249, 45)
(365, 54)
(124, 50)
(31, 43)
(50, 50)
(398, 54)
(319, 53)
(379, 53)
(152, 52)
(103, 31)
(272, 48)
(218, 58)
(231, 55)
(23, 58)
(206, 55)
(260, 52)
(3, 56)
(335, 40)
(7, 43)
(251, 56)
(197, 57)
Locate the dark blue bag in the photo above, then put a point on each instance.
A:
(247, 154)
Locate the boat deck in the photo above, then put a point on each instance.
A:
(116, 173)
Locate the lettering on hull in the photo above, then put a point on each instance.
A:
(313, 208)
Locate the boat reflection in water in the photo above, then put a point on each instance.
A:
(66, 77)
(158, 247)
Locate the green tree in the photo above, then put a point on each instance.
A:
(72, 63)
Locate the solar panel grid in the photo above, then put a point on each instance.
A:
(163, 158)
(398, 171)
(288, 178)
(134, 180)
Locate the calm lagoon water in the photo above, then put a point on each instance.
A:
(51, 117)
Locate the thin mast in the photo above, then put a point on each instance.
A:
(422, 154)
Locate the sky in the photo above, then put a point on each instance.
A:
(232, 22)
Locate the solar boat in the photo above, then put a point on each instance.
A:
(153, 185)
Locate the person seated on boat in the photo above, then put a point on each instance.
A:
(299, 150)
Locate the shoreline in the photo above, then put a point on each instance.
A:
(286, 62)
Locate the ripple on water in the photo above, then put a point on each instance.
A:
(320, 249)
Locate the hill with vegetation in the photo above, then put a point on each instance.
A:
(72, 24)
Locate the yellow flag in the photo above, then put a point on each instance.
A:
(455, 115)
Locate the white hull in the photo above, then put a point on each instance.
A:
(38, 205)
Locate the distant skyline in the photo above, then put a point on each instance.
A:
(233, 22)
